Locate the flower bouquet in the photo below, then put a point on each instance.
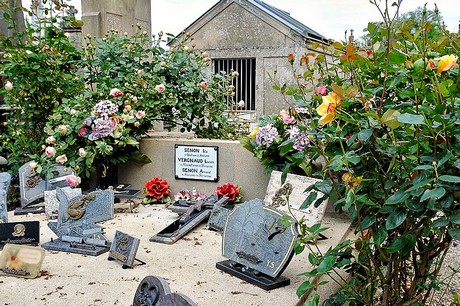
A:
(156, 191)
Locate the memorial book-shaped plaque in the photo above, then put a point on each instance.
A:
(27, 232)
(123, 249)
(31, 185)
(255, 239)
(21, 261)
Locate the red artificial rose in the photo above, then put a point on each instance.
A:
(229, 190)
(157, 188)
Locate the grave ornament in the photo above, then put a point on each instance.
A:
(257, 244)
(31, 189)
(155, 291)
(123, 249)
(21, 261)
(76, 224)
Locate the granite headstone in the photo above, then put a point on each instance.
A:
(52, 203)
(155, 291)
(76, 224)
(58, 177)
(5, 179)
(256, 241)
(124, 248)
(31, 189)
(218, 217)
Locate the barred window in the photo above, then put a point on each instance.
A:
(245, 83)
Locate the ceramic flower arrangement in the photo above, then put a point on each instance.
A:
(156, 191)
(232, 191)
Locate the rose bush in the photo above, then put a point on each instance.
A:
(156, 191)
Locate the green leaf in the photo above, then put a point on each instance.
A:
(441, 222)
(434, 194)
(398, 197)
(311, 197)
(304, 287)
(454, 233)
(450, 178)
(364, 135)
(395, 219)
(352, 157)
(324, 186)
(397, 245)
(411, 119)
(314, 301)
(367, 221)
(139, 157)
(327, 264)
(389, 118)
(380, 235)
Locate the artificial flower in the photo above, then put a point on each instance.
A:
(229, 190)
(241, 104)
(447, 62)
(50, 140)
(291, 58)
(156, 190)
(140, 114)
(82, 152)
(321, 90)
(50, 151)
(266, 135)
(183, 195)
(286, 117)
(32, 165)
(204, 84)
(327, 109)
(63, 129)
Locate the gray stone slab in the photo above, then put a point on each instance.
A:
(124, 248)
(298, 183)
(254, 237)
(218, 217)
(52, 203)
(155, 291)
(31, 185)
(65, 246)
(5, 180)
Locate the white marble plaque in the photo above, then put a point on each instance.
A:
(299, 183)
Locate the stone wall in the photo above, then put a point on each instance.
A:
(235, 164)
(102, 16)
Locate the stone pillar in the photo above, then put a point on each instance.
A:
(18, 16)
(100, 16)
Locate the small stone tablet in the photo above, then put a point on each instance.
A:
(124, 248)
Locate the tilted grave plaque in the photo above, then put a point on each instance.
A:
(218, 217)
(259, 247)
(155, 291)
(76, 224)
(31, 189)
(195, 214)
(124, 248)
(21, 261)
(275, 197)
(5, 180)
(26, 232)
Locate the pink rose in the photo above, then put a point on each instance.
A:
(82, 131)
(115, 92)
(73, 180)
(160, 88)
(204, 84)
(140, 114)
(8, 85)
(321, 90)
(288, 119)
(50, 151)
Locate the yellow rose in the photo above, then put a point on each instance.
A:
(327, 109)
(447, 62)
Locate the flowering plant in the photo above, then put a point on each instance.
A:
(156, 191)
(189, 196)
(279, 142)
(384, 125)
(229, 190)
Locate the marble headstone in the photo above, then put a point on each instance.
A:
(31, 185)
(124, 248)
(255, 238)
(297, 183)
(155, 291)
(5, 179)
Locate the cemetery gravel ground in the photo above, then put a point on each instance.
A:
(188, 266)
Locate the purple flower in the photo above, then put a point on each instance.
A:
(182, 195)
(293, 131)
(88, 121)
(266, 135)
(301, 142)
(102, 127)
(105, 108)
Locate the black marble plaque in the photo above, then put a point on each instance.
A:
(155, 291)
(124, 248)
(27, 232)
